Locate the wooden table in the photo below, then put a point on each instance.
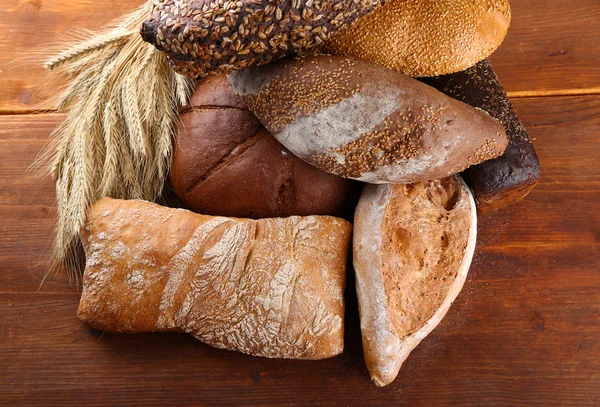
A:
(525, 330)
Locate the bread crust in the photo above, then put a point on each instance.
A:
(226, 163)
(424, 37)
(209, 37)
(366, 122)
(509, 178)
(386, 342)
(271, 287)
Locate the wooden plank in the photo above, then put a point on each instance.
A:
(505, 343)
(28, 30)
(26, 204)
(565, 132)
(552, 47)
(525, 330)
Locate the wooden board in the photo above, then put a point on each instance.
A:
(30, 32)
(553, 46)
(524, 331)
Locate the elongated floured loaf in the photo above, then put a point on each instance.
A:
(203, 37)
(270, 287)
(360, 120)
(413, 246)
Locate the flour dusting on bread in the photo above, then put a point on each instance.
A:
(269, 287)
(413, 246)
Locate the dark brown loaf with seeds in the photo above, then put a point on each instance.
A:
(226, 163)
(203, 37)
(360, 120)
(506, 179)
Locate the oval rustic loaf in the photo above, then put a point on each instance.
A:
(202, 37)
(363, 121)
(425, 37)
(412, 249)
(226, 163)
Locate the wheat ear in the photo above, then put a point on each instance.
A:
(116, 140)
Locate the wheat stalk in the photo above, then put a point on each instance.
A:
(94, 45)
(116, 140)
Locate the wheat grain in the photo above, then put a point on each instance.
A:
(96, 44)
(131, 115)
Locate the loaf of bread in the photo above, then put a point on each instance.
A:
(270, 287)
(360, 120)
(226, 163)
(425, 37)
(203, 37)
(509, 178)
(413, 246)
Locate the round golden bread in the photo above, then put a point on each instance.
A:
(425, 37)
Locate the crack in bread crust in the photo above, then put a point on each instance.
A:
(235, 152)
(268, 287)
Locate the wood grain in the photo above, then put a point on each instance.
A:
(553, 46)
(29, 32)
(26, 204)
(524, 331)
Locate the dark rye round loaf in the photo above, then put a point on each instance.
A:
(202, 37)
(362, 121)
(509, 178)
(226, 163)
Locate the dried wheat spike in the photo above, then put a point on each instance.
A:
(116, 139)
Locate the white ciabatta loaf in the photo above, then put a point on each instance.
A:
(269, 287)
(425, 37)
(360, 120)
(413, 246)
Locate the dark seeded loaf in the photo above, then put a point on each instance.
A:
(506, 179)
(203, 37)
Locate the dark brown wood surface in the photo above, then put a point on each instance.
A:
(524, 331)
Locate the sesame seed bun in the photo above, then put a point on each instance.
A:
(425, 37)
